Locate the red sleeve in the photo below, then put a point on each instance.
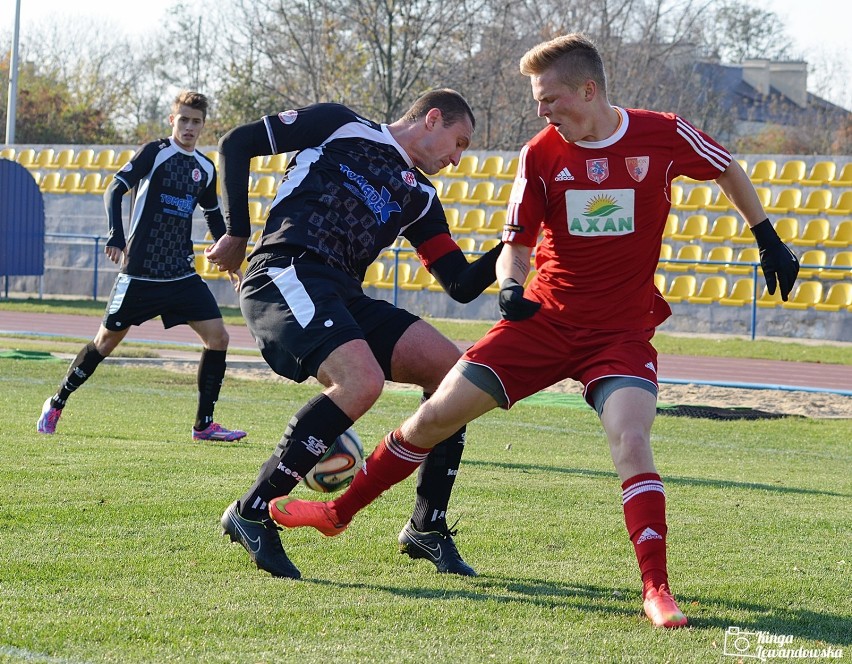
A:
(435, 248)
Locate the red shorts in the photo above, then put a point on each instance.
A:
(530, 355)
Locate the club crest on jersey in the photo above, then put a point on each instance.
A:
(196, 175)
(637, 167)
(597, 169)
(288, 117)
(409, 179)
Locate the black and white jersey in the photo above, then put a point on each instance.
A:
(350, 190)
(166, 183)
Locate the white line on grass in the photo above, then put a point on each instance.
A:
(30, 656)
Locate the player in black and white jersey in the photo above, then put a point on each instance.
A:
(167, 178)
(353, 187)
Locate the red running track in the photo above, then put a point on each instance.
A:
(721, 371)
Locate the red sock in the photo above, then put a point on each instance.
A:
(390, 463)
(644, 502)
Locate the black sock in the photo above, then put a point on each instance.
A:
(82, 367)
(435, 481)
(309, 434)
(211, 372)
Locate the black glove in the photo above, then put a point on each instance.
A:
(776, 259)
(513, 304)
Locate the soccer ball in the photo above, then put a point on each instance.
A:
(337, 467)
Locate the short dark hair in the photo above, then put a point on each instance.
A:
(192, 99)
(452, 105)
(575, 57)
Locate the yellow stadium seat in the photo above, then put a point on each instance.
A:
(813, 257)
(256, 164)
(374, 274)
(844, 178)
(7, 153)
(106, 180)
(472, 221)
(490, 167)
(742, 292)
(694, 226)
(466, 244)
(509, 170)
(698, 198)
(501, 198)
(745, 236)
(821, 174)
(395, 276)
(767, 301)
(807, 294)
(274, 164)
(787, 199)
(64, 159)
(763, 171)
(843, 205)
(68, 183)
(213, 155)
(495, 223)
(90, 184)
(688, 252)
(256, 213)
(480, 195)
(45, 158)
(839, 297)
(817, 202)
(103, 160)
(747, 255)
(722, 230)
(660, 282)
(842, 236)
(263, 187)
(672, 226)
(712, 290)
(792, 171)
(121, 158)
(466, 167)
(455, 192)
(816, 232)
(50, 183)
(452, 215)
(721, 203)
(83, 159)
(764, 194)
(787, 228)
(743, 164)
(676, 195)
(489, 244)
(682, 287)
(840, 266)
(26, 158)
(419, 280)
(719, 257)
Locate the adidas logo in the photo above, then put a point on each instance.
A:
(648, 534)
(650, 365)
(564, 175)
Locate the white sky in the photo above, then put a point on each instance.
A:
(820, 29)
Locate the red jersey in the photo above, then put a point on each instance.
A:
(602, 208)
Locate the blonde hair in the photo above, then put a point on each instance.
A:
(574, 56)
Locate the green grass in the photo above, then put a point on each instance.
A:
(462, 330)
(109, 546)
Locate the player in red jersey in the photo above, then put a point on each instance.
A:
(595, 185)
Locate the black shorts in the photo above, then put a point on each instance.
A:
(299, 310)
(133, 301)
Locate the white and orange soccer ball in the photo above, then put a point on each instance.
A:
(338, 466)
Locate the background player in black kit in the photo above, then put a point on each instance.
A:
(167, 178)
(351, 190)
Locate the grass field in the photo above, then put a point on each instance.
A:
(109, 546)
